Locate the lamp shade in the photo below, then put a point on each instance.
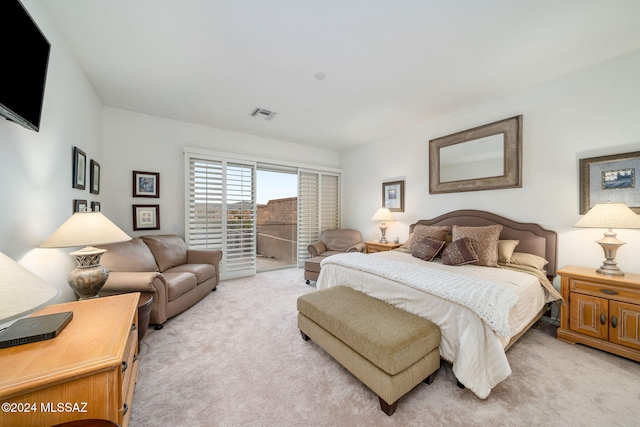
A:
(383, 214)
(85, 228)
(609, 215)
(21, 291)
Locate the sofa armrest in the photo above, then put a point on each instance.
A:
(120, 282)
(316, 249)
(204, 256)
(358, 247)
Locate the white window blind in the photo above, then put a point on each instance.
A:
(318, 208)
(221, 212)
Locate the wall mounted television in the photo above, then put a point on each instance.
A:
(25, 57)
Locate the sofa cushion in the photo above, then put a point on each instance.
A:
(169, 250)
(131, 256)
(179, 283)
(201, 271)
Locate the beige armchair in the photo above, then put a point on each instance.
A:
(333, 241)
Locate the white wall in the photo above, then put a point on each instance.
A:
(141, 142)
(589, 113)
(36, 169)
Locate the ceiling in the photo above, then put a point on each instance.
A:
(389, 65)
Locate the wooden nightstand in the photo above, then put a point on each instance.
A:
(373, 247)
(601, 311)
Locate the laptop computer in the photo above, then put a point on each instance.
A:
(33, 329)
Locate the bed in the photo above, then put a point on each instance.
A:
(481, 310)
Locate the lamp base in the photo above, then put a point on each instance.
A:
(610, 245)
(383, 230)
(87, 279)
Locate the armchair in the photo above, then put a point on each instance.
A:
(332, 241)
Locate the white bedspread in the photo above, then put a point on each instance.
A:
(475, 350)
(489, 300)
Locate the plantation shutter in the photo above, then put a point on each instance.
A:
(221, 212)
(318, 208)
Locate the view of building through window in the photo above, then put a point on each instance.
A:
(277, 220)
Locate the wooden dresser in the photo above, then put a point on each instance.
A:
(88, 371)
(601, 311)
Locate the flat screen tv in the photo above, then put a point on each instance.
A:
(23, 66)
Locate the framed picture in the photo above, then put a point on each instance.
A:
(95, 207)
(146, 217)
(393, 196)
(79, 205)
(79, 169)
(146, 184)
(610, 179)
(94, 177)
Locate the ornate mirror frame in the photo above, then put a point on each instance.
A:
(512, 178)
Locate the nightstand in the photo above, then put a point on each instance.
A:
(601, 311)
(373, 247)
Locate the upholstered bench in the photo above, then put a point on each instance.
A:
(390, 350)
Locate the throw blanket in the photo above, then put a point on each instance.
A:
(490, 301)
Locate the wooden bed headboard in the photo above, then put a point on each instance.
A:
(534, 239)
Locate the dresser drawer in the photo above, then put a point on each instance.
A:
(603, 290)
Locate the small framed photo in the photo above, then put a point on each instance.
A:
(94, 177)
(610, 179)
(146, 217)
(393, 196)
(95, 207)
(146, 184)
(79, 169)
(79, 205)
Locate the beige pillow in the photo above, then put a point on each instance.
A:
(505, 249)
(531, 260)
(484, 241)
(435, 232)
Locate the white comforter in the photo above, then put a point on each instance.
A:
(475, 350)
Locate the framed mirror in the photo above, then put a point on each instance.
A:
(487, 157)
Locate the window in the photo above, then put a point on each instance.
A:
(221, 211)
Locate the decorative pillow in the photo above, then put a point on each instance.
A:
(484, 240)
(427, 249)
(459, 252)
(531, 260)
(435, 232)
(505, 249)
(405, 246)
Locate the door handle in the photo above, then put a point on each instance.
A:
(603, 319)
(614, 321)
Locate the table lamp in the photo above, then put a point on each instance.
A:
(86, 228)
(21, 291)
(609, 215)
(383, 214)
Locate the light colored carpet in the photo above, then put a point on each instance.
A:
(237, 359)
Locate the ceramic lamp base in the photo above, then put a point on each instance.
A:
(87, 279)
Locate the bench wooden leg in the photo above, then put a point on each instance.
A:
(304, 336)
(430, 378)
(386, 408)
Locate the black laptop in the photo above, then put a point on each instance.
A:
(32, 329)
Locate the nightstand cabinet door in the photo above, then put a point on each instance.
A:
(625, 324)
(589, 315)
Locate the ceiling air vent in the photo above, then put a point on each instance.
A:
(263, 114)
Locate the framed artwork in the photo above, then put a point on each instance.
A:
(146, 217)
(79, 205)
(95, 207)
(393, 196)
(610, 179)
(79, 169)
(94, 177)
(146, 184)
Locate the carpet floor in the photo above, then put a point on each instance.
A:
(237, 359)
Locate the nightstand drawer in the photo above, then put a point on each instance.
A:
(603, 290)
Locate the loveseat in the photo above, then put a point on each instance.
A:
(161, 265)
(332, 241)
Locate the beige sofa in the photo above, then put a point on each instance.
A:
(332, 241)
(162, 266)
